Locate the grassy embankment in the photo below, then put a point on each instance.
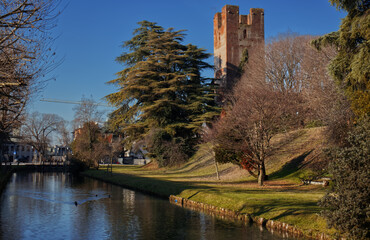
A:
(283, 198)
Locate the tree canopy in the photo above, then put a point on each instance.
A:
(351, 65)
(38, 129)
(161, 86)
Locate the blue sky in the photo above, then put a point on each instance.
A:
(90, 34)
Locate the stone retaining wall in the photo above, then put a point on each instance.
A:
(273, 226)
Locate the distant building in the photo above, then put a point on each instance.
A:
(59, 153)
(76, 133)
(16, 151)
(136, 153)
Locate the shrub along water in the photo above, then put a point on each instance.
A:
(348, 204)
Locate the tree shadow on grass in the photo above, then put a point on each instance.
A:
(153, 186)
(290, 167)
(287, 208)
(187, 168)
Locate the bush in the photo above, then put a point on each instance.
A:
(174, 154)
(348, 204)
(166, 150)
(78, 165)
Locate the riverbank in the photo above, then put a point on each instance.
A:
(283, 199)
(283, 202)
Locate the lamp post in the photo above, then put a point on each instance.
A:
(14, 155)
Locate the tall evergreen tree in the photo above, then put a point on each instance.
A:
(161, 86)
(351, 65)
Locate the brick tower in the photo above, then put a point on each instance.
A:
(232, 34)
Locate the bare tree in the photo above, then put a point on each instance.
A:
(293, 65)
(25, 56)
(259, 108)
(25, 34)
(87, 111)
(64, 134)
(258, 113)
(324, 99)
(37, 131)
(284, 55)
(89, 144)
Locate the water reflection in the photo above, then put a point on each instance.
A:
(42, 206)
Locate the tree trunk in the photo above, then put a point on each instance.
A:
(265, 177)
(216, 166)
(261, 175)
(111, 165)
(217, 174)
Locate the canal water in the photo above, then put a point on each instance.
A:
(62, 206)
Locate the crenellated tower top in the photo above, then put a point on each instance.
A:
(233, 33)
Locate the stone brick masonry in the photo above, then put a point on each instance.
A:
(232, 34)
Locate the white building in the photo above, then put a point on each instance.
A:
(59, 153)
(19, 152)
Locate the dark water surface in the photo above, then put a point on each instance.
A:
(43, 206)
